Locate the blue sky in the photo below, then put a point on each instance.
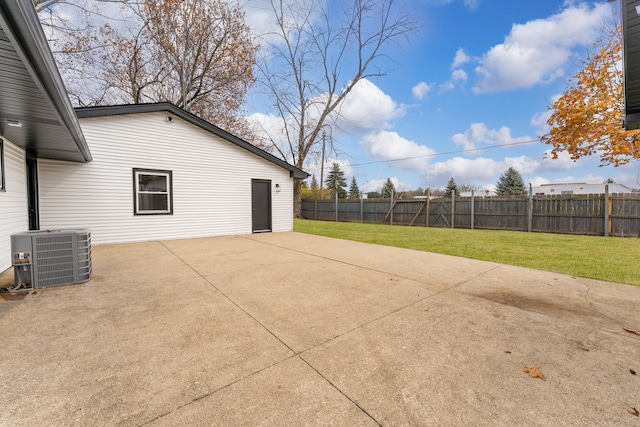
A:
(480, 73)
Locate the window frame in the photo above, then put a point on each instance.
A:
(165, 173)
(3, 183)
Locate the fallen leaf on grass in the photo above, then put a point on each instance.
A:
(534, 372)
(634, 411)
(632, 331)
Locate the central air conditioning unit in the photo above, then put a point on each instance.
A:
(43, 259)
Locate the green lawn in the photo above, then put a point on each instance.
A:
(611, 259)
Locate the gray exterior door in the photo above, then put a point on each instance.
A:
(261, 205)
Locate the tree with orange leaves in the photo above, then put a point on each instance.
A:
(587, 119)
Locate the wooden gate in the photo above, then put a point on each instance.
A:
(442, 212)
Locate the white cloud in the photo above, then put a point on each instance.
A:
(589, 178)
(463, 170)
(367, 108)
(386, 145)
(460, 59)
(269, 127)
(562, 163)
(315, 168)
(260, 19)
(479, 135)
(631, 179)
(459, 75)
(523, 164)
(471, 4)
(485, 171)
(447, 86)
(263, 23)
(539, 121)
(481, 171)
(535, 52)
(538, 181)
(377, 184)
(421, 90)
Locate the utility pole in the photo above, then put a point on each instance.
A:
(324, 135)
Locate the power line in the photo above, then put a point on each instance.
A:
(446, 153)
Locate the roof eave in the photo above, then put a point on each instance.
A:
(631, 62)
(22, 21)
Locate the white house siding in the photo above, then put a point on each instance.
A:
(13, 201)
(211, 182)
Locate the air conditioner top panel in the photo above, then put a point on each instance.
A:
(52, 232)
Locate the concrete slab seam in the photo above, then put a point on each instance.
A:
(211, 393)
(232, 301)
(298, 354)
(357, 405)
(294, 354)
(373, 269)
(390, 313)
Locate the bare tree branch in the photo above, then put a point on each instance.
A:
(311, 69)
(196, 54)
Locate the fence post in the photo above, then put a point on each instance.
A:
(607, 216)
(453, 208)
(391, 215)
(315, 209)
(473, 207)
(428, 199)
(530, 209)
(336, 206)
(361, 209)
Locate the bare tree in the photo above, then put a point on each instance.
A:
(56, 15)
(196, 54)
(208, 51)
(315, 61)
(42, 5)
(467, 188)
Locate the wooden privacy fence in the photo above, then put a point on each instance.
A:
(589, 214)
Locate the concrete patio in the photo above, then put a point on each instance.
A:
(294, 329)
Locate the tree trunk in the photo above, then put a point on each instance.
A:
(297, 198)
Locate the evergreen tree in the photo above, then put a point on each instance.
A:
(354, 191)
(311, 191)
(388, 189)
(510, 183)
(336, 182)
(314, 183)
(452, 188)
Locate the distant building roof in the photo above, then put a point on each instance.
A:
(579, 188)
